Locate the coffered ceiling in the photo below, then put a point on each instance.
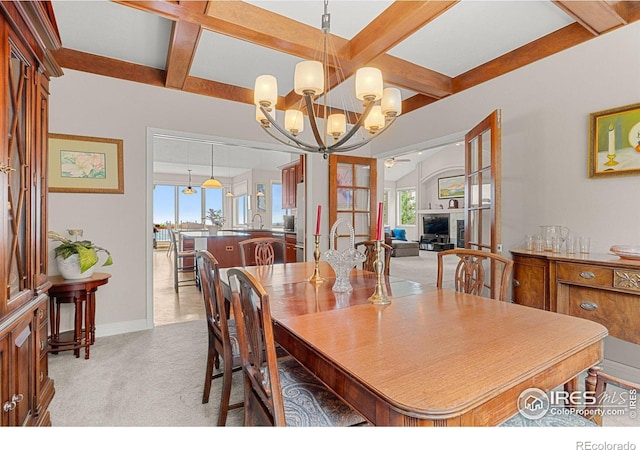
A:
(428, 49)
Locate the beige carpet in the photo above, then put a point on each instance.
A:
(147, 378)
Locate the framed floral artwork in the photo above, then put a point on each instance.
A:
(614, 142)
(84, 164)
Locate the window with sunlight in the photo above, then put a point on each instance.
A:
(407, 206)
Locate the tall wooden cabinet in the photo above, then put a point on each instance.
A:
(292, 174)
(27, 34)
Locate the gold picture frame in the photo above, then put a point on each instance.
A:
(614, 142)
(85, 164)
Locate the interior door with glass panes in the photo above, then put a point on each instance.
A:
(352, 196)
(483, 187)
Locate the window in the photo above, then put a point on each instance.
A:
(407, 206)
(164, 204)
(170, 205)
(240, 213)
(189, 206)
(213, 200)
(277, 213)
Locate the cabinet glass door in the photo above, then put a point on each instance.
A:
(15, 166)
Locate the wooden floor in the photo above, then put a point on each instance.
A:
(169, 306)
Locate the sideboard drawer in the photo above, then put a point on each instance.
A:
(617, 311)
(588, 275)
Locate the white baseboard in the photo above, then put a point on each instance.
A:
(111, 329)
(622, 370)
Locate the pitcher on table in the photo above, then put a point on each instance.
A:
(553, 232)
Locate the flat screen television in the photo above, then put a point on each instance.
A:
(435, 224)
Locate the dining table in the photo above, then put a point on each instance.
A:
(432, 357)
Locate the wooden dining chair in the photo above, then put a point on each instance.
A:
(278, 391)
(370, 255)
(262, 251)
(223, 338)
(477, 272)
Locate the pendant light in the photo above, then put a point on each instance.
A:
(189, 190)
(211, 182)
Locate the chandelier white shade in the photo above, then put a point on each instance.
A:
(369, 84)
(309, 78)
(311, 81)
(266, 91)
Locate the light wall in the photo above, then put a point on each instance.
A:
(545, 109)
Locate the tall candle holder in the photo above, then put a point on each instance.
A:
(379, 296)
(316, 278)
(612, 160)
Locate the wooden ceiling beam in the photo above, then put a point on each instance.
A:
(182, 49)
(183, 44)
(244, 21)
(395, 24)
(548, 45)
(413, 77)
(596, 16)
(109, 67)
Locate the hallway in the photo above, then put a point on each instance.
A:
(169, 306)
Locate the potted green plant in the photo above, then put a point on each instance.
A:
(77, 259)
(216, 218)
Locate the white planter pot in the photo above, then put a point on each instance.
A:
(70, 268)
(213, 229)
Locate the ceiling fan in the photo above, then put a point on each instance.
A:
(390, 162)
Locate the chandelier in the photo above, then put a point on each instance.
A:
(311, 81)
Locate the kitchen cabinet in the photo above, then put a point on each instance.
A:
(28, 34)
(291, 253)
(292, 174)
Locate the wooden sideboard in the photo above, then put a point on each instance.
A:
(600, 287)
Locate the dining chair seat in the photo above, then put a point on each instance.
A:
(308, 403)
(570, 419)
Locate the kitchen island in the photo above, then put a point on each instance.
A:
(225, 247)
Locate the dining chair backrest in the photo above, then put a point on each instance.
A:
(370, 254)
(262, 251)
(184, 262)
(255, 334)
(214, 302)
(477, 272)
(221, 331)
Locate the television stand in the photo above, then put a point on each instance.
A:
(435, 242)
(439, 246)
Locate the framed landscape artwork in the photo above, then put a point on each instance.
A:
(614, 142)
(451, 187)
(84, 164)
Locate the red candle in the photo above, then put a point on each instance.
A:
(318, 220)
(379, 230)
